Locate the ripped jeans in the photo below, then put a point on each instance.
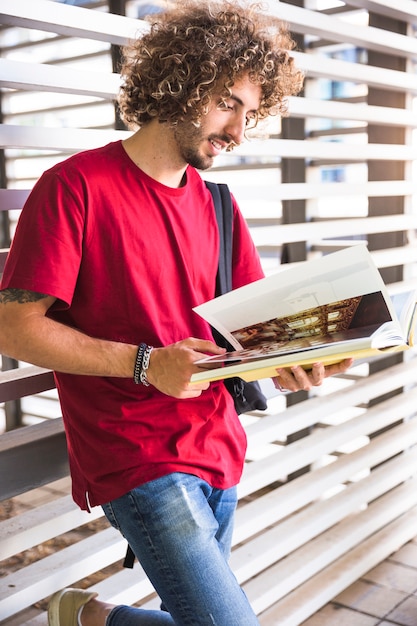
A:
(180, 529)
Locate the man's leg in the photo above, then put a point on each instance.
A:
(180, 529)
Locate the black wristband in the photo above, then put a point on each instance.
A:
(141, 364)
(138, 363)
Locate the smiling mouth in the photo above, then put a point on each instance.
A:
(217, 145)
(222, 145)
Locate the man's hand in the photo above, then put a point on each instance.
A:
(297, 378)
(170, 368)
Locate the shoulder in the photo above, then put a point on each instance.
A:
(87, 161)
(80, 173)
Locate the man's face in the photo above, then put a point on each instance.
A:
(223, 127)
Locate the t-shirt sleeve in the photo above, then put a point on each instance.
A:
(246, 262)
(45, 254)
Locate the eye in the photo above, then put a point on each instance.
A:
(225, 106)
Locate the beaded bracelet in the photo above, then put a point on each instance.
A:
(141, 364)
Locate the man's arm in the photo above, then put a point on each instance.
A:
(28, 335)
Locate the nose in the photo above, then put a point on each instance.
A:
(236, 128)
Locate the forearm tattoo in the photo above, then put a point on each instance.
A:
(22, 296)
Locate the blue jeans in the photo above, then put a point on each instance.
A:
(180, 529)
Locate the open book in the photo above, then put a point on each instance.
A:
(327, 309)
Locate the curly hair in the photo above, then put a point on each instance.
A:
(196, 48)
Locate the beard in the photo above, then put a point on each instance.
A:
(190, 139)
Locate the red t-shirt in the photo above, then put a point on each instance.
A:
(127, 259)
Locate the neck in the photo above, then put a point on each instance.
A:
(153, 149)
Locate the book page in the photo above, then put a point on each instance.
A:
(405, 306)
(337, 322)
(306, 287)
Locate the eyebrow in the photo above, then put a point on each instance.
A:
(240, 102)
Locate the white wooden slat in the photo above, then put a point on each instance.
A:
(38, 620)
(286, 233)
(304, 563)
(125, 587)
(63, 139)
(392, 257)
(153, 604)
(331, 109)
(42, 523)
(405, 10)
(260, 212)
(70, 20)
(26, 372)
(401, 286)
(292, 496)
(320, 66)
(332, 151)
(20, 75)
(316, 592)
(41, 578)
(389, 257)
(278, 542)
(329, 27)
(11, 199)
(302, 452)
(308, 191)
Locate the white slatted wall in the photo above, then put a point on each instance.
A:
(329, 486)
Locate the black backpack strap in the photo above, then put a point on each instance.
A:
(224, 214)
(129, 558)
(246, 396)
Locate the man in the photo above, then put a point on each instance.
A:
(114, 248)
